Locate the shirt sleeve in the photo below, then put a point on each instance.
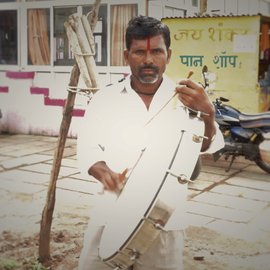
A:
(90, 142)
(217, 143)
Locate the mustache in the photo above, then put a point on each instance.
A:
(155, 68)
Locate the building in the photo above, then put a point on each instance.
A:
(36, 59)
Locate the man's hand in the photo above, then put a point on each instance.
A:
(194, 96)
(111, 180)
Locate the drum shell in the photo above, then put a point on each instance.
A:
(152, 186)
(264, 149)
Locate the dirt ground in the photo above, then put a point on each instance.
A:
(204, 250)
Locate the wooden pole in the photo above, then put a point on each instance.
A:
(47, 213)
(78, 55)
(86, 46)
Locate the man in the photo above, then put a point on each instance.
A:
(114, 135)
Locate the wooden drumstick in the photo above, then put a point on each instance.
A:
(190, 74)
(174, 95)
(122, 176)
(122, 179)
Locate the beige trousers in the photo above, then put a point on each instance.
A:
(164, 254)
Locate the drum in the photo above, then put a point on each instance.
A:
(264, 148)
(151, 194)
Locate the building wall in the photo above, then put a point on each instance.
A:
(238, 7)
(32, 96)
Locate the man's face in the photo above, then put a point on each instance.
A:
(148, 58)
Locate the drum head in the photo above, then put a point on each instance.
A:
(144, 183)
(130, 207)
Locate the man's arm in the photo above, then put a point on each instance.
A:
(210, 130)
(195, 97)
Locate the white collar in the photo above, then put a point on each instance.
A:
(167, 85)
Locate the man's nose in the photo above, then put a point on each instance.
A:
(148, 57)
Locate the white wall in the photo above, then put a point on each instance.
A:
(238, 7)
(162, 9)
(18, 102)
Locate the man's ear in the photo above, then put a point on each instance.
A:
(126, 52)
(169, 55)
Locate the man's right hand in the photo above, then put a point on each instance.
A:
(111, 180)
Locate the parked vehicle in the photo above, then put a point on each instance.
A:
(244, 134)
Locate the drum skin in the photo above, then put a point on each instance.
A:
(152, 192)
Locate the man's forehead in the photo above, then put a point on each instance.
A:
(147, 41)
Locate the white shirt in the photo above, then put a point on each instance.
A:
(117, 128)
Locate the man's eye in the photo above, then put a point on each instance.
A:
(139, 52)
(157, 51)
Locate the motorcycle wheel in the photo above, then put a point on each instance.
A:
(263, 165)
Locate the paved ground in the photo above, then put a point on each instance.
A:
(233, 204)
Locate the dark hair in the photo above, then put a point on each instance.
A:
(141, 27)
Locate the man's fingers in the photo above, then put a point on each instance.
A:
(188, 83)
(114, 181)
(109, 181)
(122, 176)
(122, 179)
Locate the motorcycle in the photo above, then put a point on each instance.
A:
(244, 134)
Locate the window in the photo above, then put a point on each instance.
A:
(195, 3)
(8, 37)
(100, 35)
(43, 40)
(63, 55)
(38, 22)
(120, 16)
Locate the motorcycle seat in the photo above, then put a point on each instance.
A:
(255, 120)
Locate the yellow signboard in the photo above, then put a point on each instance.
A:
(228, 46)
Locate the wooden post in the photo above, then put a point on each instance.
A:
(47, 213)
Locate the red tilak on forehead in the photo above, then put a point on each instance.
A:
(148, 43)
